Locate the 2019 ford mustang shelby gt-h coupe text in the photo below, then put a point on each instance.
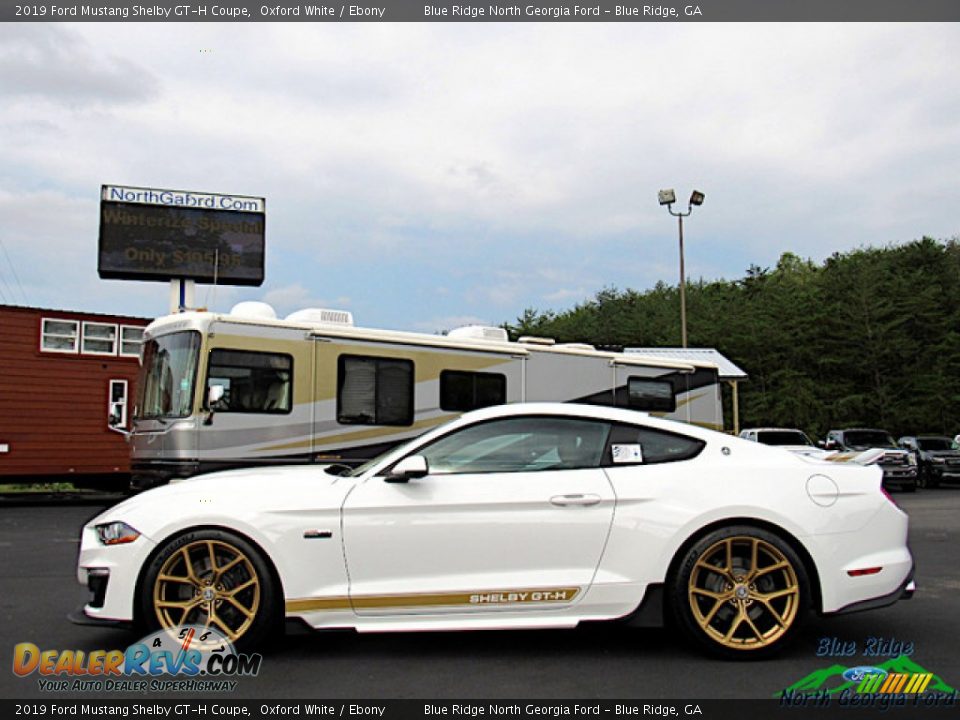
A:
(519, 516)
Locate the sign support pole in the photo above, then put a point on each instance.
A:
(181, 294)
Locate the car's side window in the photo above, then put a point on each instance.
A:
(519, 444)
(636, 445)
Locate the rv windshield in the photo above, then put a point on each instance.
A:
(168, 375)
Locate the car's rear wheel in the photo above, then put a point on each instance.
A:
(740, 592)
(212, 578)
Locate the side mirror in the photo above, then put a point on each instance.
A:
(414, 466)
(214, 395)
(821, 444)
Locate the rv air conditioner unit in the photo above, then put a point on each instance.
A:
(253, 310)
(533, 340)
(479, 332)
(322, 316)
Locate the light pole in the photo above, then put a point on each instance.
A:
(668, 198)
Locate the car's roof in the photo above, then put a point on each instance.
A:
(593, 412)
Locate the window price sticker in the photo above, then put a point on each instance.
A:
(627, 453)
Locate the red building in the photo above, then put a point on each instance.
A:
(60, 374)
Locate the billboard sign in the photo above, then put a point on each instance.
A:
(152, 234)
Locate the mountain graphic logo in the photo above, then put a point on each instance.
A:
(831, 680)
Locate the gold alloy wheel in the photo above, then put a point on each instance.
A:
(744, 593)
(209, 583)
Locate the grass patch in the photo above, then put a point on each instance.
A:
(54, 487)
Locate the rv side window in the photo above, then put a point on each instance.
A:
(654, 395)
(374, 391)
(253, 382)
(462, 391)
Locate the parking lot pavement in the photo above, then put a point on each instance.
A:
(39, 545)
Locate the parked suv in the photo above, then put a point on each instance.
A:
(938, 460)
(899, 466)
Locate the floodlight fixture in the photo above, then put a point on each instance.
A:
(668, 197)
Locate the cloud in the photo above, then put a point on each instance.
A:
(513, 164)
(57, 65)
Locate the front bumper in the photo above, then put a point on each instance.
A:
(899, 476)
(110, 573)
(79, 617)
(945, 471)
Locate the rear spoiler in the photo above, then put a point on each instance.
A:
(856, 457)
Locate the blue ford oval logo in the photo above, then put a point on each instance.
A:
(856, 674)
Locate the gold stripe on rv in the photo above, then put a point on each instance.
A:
(686, 401)
(374, 432)
(472, 599)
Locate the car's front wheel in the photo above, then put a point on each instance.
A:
(740, 592)
(212, 578)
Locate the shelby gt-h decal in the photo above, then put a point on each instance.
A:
(514, 516)
(497, 597)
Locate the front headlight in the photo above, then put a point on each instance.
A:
(116, 533)
(911, 459)
(937, 461)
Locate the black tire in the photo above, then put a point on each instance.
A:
(923, 478)
(228, 585)
(723, 605)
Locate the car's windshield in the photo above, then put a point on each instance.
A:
(783, 437)
(338, 469)
(935, 443)
(868, 439)
(168, 374)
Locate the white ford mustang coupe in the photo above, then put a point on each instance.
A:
(519, 516)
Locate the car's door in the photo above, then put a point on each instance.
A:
(514, 513)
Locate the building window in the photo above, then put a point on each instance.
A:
(131, 337)
(462, 391)
(653, 395)
(59, 335)
(99, 339)
(253, 382)
(117, 404)
(374, 391)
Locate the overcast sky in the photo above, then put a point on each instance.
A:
(425, 176)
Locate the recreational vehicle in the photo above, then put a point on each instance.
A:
(229, 390)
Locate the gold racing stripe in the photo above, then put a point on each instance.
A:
(471, 599)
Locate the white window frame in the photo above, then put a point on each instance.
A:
(123, 403)
(44, 335)
(116, 339)
(120, 341)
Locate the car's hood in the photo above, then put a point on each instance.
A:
(233, 493)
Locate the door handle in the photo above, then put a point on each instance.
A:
(568, 500)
